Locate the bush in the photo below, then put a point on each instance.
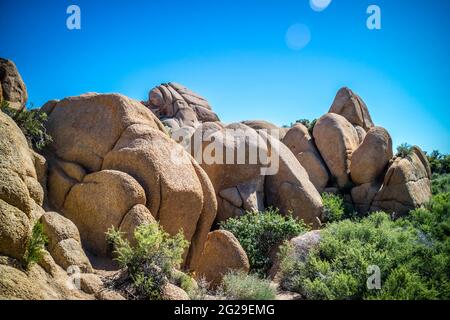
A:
(333, 207)
(413, 255)
(440, 183)
(36, 245)
(259, 232)
(31, 122)
(404, 150)
(151, 261)
(439, 163)
(240, 286)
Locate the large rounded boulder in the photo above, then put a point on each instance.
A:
(299, 141)
(336, 139)
(349, 105)
(406, 185)
(372, 156)
(110, 154)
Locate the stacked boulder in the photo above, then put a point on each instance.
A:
(111, 164)
(177, 106)
(21, 201)
(12, 87)
(251, 170)
(350, 154)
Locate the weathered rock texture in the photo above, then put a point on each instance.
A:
(176, 106)
(111, 154)
(12, 87)
(352, 107)
(222, 254)
(336, 140)
(370, 159)
(406, 185)
(299, 141)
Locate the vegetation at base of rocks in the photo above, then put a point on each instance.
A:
(36, 245)
(413, 254)
(31, 122)
(333, 206)
(241, 286)
(439, 163)
(440, 183)
(404, 150)
(189, 285)
(150, 263)
(259, 232)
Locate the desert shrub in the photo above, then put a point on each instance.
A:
(36, 245)
(241, 286)
(151, 261)
(439, 163)
(404, 150)
(440, 183)
(308, 124)
(333, 207)
(31, 122)
(259, 232)
(413, 255)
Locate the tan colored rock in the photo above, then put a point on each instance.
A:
(290, 189)
(13, 88)
(175, 193)
(111, 132)
(370, 159)
(232, 196)
(70, 253)
(91, 283)
(361, 133)
(14, 191)
(58, 228)
(175, 102)
(271, 128)
(301, 247)
(363, 196)
(172, 292)
(86, 128)
(138, 215)
(336, 140)
(109, 295)
(406, 185)
(222, 254)
(349, 105)
(35, 190)
(15, 231)
(299, 141)
(99, 203)
(252, 194)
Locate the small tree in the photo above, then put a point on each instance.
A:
(151, 261)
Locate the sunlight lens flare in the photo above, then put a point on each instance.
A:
(298, 36)
(319, 5)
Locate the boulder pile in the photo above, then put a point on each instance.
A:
(116, 162)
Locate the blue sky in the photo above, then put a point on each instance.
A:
(235, 54)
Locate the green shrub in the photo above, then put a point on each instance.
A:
(440, 183)
(308, 124)
(259, 232)
(36, 245)
(404, 150)
(333, 207)
(413, 255)
(240, 286)
(31, 122)
(151, 261)
(439, 163)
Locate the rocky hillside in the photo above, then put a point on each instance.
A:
(117, 162)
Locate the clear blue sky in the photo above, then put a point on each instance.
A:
(234, 53)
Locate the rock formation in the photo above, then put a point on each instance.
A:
(111, 154)
(12, 87)
(177, 106)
